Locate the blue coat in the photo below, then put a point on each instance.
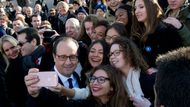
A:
(2, 31)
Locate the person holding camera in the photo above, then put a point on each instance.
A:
(65, 54)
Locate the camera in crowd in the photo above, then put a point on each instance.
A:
(48, 36)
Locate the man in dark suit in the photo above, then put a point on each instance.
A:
(34, 54)
(65, 53)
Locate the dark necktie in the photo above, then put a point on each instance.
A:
(70, 83)
(36, 61)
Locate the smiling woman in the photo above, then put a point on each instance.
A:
(125, 56)
(115, 30)
(97, 53)
(106, 86)
(151, 32)
(123, 15)
(10, 49)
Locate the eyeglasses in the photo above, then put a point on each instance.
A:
(22, 43)
(64, 57)
(100, 79)
(115, 53)
(108, 38)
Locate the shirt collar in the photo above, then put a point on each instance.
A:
(62, 77)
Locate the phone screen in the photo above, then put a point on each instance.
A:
(47, 78)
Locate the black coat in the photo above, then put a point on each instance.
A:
(48, 98)
(52, 19)
(28, 20)
(16, 88)
(30, 61)
(147, 85)
(163, 4)
(67, 103)
(4, 101)
(164, 39)
(59, 25)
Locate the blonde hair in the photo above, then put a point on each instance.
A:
(4, 16)
(75, 22)
(46, 24)
(64, 4)
(7, 38)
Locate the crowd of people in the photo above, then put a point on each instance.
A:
(106, 53)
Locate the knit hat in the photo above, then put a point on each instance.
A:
(102, 7)
(82, 10)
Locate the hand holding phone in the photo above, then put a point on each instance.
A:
(46, 79)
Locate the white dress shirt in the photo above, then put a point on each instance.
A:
(64, 79)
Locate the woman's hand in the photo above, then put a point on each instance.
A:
(57, 89)
(151, 70)
(140, 102)
(63, 91)
(173, 21)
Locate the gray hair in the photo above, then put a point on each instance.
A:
(75, 22)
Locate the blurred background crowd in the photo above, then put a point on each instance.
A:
(106, 53)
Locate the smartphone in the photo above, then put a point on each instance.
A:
(47, 79)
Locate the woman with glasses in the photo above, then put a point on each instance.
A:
(125, 56)
(106, 87)
(14, 73)
(115, 30)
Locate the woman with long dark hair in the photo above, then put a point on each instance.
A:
(151, 34)
(125, 56)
